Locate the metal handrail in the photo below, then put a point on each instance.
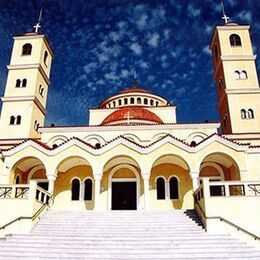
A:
(26, 217)
(230, 223)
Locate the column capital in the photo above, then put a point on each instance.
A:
(51, 177)
(97, 176)
(194, 174)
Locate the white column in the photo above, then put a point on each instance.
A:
(51, 179)
(195, 180)
(97, 191)
(146, 192)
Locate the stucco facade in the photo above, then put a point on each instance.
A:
(133, 138)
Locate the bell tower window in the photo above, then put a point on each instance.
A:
(24, 83)
(45, 59)
(250, 114)
(235, 40)
(27, 49)
(18, 83)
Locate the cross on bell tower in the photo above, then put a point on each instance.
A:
(225, 17)
(38, 25)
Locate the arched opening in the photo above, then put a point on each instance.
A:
(235, 40)
(88, 187)
(75, 189)
(146, 101)
(125, 101)
(174, 189)
(243, 74)
(18, 120)
(12, 120)
(243, 114)
(250, 114)
(132, 100)
(119, 102)
(27, 49)
(122, 183)
(237, 74)
(71, 187)
(138, 100)
(29, 168)
(18, 83)
(160, 188)
(171, 183)
(219, 166)
(45, 59)
(24, 83)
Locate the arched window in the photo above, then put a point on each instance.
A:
(235, 40)
(157, 103)
(243, 113)
(250, 114)
(119, 102)
(27, 49)
(160, 187)
(237, 74)
(75, 189)
(109, 105)
(24, 83)
(114, 103)
(36, 125)
(138, 100)
(88, 189)
(125, 101)
(17, 179)
(151, 102)
(12, 120)
(18, 83)
(45, 57)
(132, 100)
(243, 74)
(18, 120)
(41, 90)
(145, 101)
(174, 190)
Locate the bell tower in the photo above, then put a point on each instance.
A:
(24, 101)
(236, 79)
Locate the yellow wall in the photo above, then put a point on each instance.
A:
(185, 200)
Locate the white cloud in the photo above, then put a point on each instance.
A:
(154, 40)
(136, 48)
(206, 50)
(180, 91)
(88, 68)
(142, 21)
(245, 16)
(144, 65)
(125, 73)
(193, 12)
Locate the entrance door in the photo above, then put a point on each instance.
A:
(123, 195)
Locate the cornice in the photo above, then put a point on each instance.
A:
(120, 140)
(26, 98)
(170, 126)
(31, 66)
(238, 57)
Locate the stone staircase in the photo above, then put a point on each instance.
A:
(123, 235)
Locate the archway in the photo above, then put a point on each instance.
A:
(29, 168)
(219, 166)
(72, 173)
(170, 183)
(122, 183)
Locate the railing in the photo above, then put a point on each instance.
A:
(228, 189)
(14, 191)
(255, 237)
(18, 192)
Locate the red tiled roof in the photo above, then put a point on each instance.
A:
(134, 113)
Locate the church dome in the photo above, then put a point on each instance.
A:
(132, 115)
(134, 96)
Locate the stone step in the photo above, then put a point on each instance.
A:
(126, 254)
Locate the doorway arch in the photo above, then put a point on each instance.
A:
(134, 178)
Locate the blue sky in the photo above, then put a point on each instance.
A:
(98, 43)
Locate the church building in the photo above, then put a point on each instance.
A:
(133, 154)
